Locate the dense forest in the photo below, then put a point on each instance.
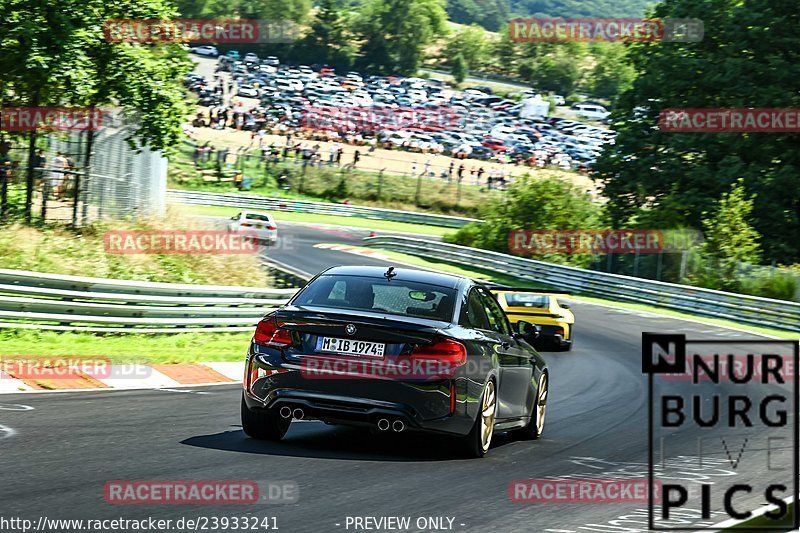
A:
(492, 14)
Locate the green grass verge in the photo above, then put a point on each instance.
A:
(330, 185)
(126, 347)
(508, 280)
(385, 225)
(83, 252)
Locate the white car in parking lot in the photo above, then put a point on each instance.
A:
(596, 112)
(258, 224)
(210, 51)
(247, 91)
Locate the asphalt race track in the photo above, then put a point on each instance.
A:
(58, 456)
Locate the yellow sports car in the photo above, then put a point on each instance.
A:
(542, 308)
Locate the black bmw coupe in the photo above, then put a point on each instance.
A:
(396, 350)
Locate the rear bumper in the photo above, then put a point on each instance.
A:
(421, 405)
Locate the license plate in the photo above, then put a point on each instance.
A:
(259, 226)
(350, 347)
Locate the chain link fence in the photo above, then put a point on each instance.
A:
(116, 182)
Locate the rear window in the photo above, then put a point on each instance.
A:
(255, 216)
(396, 297)
(527, 300)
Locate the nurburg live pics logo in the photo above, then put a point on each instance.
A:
(748, 417)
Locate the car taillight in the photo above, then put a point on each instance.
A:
(269, 334)
(271, 227)
(559, 331)
(246, 225)
(442, 350)
(250, 375)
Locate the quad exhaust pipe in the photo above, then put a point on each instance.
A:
(383, 424)
(398, 426)
(286, 412)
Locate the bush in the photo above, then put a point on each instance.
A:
(531, 204)
(777, 286)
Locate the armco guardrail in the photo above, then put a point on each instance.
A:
(63, 302)
(321, 208)
(737, 307)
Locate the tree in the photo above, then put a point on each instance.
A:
(328, 39)
(394, 33)
(56, 54)
(269, 10)
(553, 66)
(530, 204)
(611, 74)
(471, 44)
(752, 59)
(491, 14)
(459, 69)
(729, 235)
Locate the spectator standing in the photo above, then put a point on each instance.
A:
(356, 157)
(58, 164)
(39, 162)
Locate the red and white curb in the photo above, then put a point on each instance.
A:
(357, 250)
(132, 376)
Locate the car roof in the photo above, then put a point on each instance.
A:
(245, 212)
(407, 274)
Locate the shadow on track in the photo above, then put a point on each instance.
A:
(321, 441)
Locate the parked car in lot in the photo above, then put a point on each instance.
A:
(247, 91)
(210, 51)
(473, 375)
(593, 111)
(258, 224)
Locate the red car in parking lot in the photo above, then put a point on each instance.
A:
(494, 144)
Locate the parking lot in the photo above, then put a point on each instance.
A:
(263, 95)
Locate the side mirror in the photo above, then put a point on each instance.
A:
(564, 306)
(527, 331)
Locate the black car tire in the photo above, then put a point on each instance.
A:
(534, 429)
(567, 346)
(472, 445)
(263, 425)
